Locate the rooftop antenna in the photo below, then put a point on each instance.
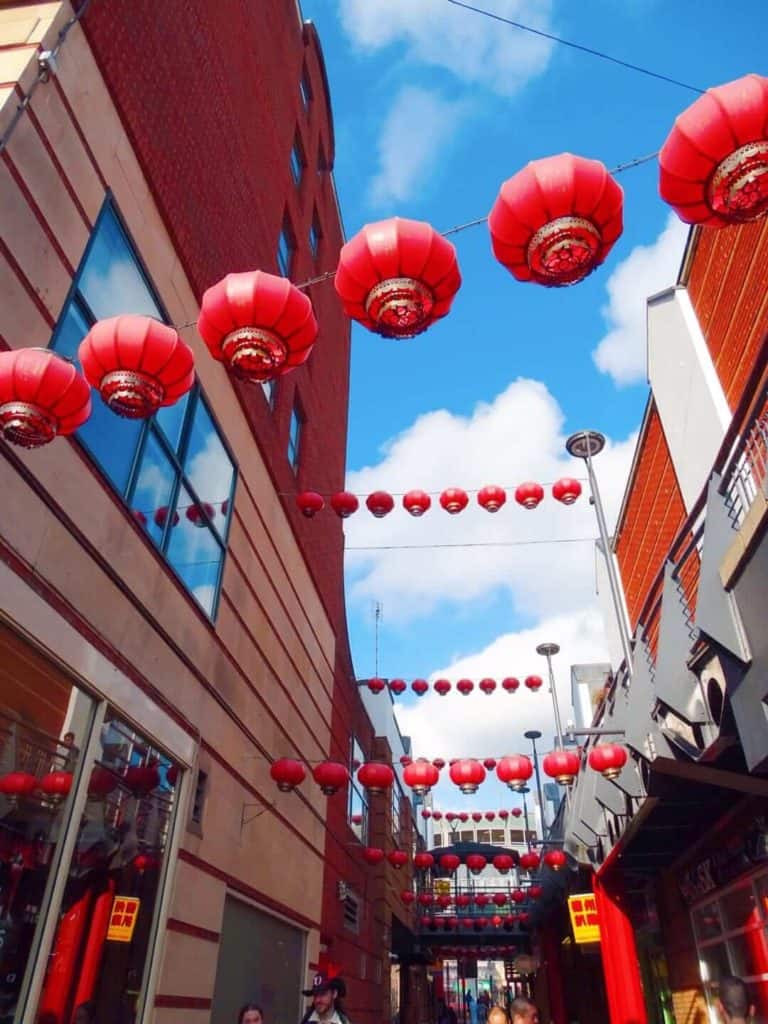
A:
(378, 615)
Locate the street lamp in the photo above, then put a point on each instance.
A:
(533, 735)
(548, 650)
(585, 444)
(524, 792)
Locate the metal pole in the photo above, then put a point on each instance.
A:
(583, 445)
(525, 814)
(533, 735)
(548, 650)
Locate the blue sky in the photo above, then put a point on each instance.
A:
(434, 108)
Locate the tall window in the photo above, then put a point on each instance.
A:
(396, 796)
(173, 470)
(315, 234)
(357, 808)
(286, 246)
(297, 159)
(305, 89)
(294, 436)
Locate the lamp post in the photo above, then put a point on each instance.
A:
(585, 444)
(524, 792)
(548, 650)
(533, 735)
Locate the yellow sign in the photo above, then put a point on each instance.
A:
(442, 886)
(583, 910)
(122, 918)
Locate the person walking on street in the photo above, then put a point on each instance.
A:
(523, 1011)
(733, 1002)
(250, 1014)
(327, 993)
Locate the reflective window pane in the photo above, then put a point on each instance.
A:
(170, 419)
(208, 468)
(153, 490)
(110, 280)
(738, 908)
(706, 922)
(194, 552)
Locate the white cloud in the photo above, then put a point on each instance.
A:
(516, 437)
(647, 269)
(475, 49)
(417, 130)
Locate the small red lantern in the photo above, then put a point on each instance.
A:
(397, 858)
(141, 779)
(426, 899)
(490, 815)
(503, 862)
(477, 815)
(524, 918)
(344, 504)
(530, 861)
(376, 685)
(713, 167)
(487, 686)
(373, 855)
(138, 517)
(437, 815)
(566, 490)
(500, 898)
(510, 921)
(444, 901)
(529, 494)
(491, 498)
(259, 325)
(423, 861)
(517, 811)
(200, 515)
(449, 862)
(555, 859)
(465, 686)
(161, 517)
(380, 503)
(467, 774)
(425, 922)
(18, 784)
(481, 923)
(137, 364)
(397, 686)
(514, 771)
(481, 899)
(535, 892)
(41, 396)
(376, 777)
(454, 500)
(451, 815)
(419, 687)
(310, 503)
(518, 896)
(330, 776)
(463, 899)
(102, 782)
(496, 921)
(417, 502)
(555, 221)
(406, 760)
(475, 862)
(562, 765)
(56, 784)
(442, 686)
(421, 776)
(534, 683)
(396, 277)
(287, 773)
(439, 763)
(426, 813)
(143, 862)
(407, 897)
(510, 684)
(356, 819)
(489, 764)
(504, 814)
(463, 816)
(608, 759)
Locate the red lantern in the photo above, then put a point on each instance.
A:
(259, 325)
(426, 899)
(514, 771)
(451, 815)
(467, 774)
(555, 221)
(454, 500)
(503, 862)
(535, 892)
(138, 517)
(566, 490)
(172, 775)
(376, 685)
(490, 815)
(380, 503)
(141, 779)
(161, 517)
(56, 784)
(419, 687)
(376, 777)
(510, 684)
(407, 897)
(496, 921)
(465, 686)
(529, 494)
(397, 858)
(491, 498)
(397, 686)
(510, 920)
(463, 899)
(330, 776)
(524, 918)
(310, 503)
(437, 815)
(442, 686)
(481, 923)
(344, 504)
(517, 811)
(477, 815)
(444, 901)
(426, 813)
(421, 776)
(143, 862)
(530, 861)
(425, 922)
(373, 855)
(713, 168)
(463, 816)
(555, 859)
(475, 862)
(18, 784)
(608, 759)
(489, 763)
(137, 364)
(518, 896)
(102, 782)
(500, 898)
(487, 686)
(417, 502)
(396, 277)
(534, 683)
(449, 862)
(423, 861)
(504, 814)
(287, 773)
(481, 899)
(562, 765)
(200, 515)
(405, 760)
(439, 763)
(41, 395)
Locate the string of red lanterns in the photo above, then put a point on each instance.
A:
(510, 684)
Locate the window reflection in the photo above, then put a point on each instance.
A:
(194, 552)
(111, 280)
(153, 490)
(208, 467)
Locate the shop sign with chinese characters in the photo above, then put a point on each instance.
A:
(122, 919)
(583, 910)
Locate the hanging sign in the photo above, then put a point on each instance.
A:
(583, 911)
(442, 886)
(122, 918)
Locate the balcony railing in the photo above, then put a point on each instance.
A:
(747, 474)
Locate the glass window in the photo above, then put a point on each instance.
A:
(297, 159)
(315, 234)
(305, 89)
(294, 437)
(497, 836)
(483, 835)
(173, 470)
(437, 840)
(285, 249)
(357, 807)
(738, 908)
(396, 795)
(706, 922)
(269, 387)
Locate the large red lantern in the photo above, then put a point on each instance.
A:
(309, 503)
(380, 504)
(487, 686)
(56, 784)
(529, 494)
(454, 500)
(465, 686)
(376, 777)
(442, 686)
(491, 498)
(407, 897)
(287, 773)
(514, 770)
(396, 277)
(444, 901)
(423, 861)
(421, 776)
(41, 395)
(530, 861)
(373, 855)
(397, 858)
(449, 862)
(330, 776)
(503, 862)
(608, 759)
(481, 899)
(419, 687)
(566, 490)
(475, 862)
(102, 782)
(555, 859)
(141, 779)
(18, 784)
(344, 504)
(510, 684)
(397, 686)
(259, 325)
(376, 685)
(713, 167)
(463, 900)
(500, 899)
(535, 892)
(556, 220)
(417, 502)
(463, 816)
(518, 896)
(467, 774)
(534, 683)
(562, 765)
(137, 364)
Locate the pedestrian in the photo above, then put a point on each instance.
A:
(327, 993)
(733, 1002)
(445, 1013)
(250, 1014)
(523, 1011)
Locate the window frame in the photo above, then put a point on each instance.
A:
(297, 159)
(287, 240)
(305, 89)
(315, 234)
(294, 443)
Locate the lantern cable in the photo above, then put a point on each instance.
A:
(575, 46)
(470, 544)
(435, 494)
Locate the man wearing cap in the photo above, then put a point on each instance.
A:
(327, 993)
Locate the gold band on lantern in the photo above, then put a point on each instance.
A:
(254, 353)
(400, 307)
(26, 424)
(738, 188)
